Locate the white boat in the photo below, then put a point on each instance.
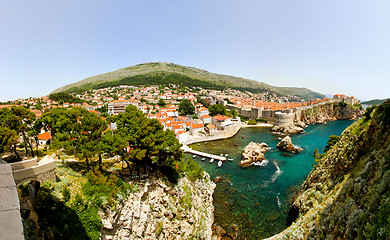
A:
(230, 159)
(212, 160)
(194, 156)
(226, 155)
(203, 159)
(219, 163)
(221, 154)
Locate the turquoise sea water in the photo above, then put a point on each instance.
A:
(256, 199)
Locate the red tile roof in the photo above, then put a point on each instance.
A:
(44, 136)
(221, 117)
(197, 125)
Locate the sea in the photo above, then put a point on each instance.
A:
(253, 202)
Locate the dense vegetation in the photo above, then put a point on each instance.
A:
(347, 195)
(64, 97)
(217, 109)
(168, 73)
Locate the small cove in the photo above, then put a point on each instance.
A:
(256, 199)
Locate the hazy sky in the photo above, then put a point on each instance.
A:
(329, 46)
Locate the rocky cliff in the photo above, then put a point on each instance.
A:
(160, 210)
(347, 194)
(331, 112)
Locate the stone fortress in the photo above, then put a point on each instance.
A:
(283, 117)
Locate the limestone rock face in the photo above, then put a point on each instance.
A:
(330, 112)
(286, 145)
(253, 152)
(160, 210)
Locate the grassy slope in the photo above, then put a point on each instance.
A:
(168, 72)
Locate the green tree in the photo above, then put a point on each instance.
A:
(92, 128)
(316, 154)
(145, 143)
(20, 120)
(65, 127)
(233, 112)
(217, 109)
(161, 102)
(205, 102)
(186, 107)
(8, 141)
(333, 139)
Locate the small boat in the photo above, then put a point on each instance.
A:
(212, 160)
(194, 156)
(203, 159)
(219, 163)
(226, 155)
(230, 159)
(221, 154)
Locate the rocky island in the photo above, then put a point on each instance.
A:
(286, 145)
(253, 153)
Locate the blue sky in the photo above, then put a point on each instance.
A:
(327, 46)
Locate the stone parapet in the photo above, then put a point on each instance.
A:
(10, 220)
(39, 173)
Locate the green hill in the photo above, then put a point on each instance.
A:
(168, 73)
(375, 101)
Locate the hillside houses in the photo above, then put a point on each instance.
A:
(114, 100)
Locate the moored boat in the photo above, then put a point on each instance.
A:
(219, 163)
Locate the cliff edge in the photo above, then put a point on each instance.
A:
(160, 210)
(347, 194)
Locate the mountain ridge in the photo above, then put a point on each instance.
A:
(165, 73)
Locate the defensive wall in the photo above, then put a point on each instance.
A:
(228, 132)
(281, 117)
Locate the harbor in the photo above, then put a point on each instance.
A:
(187, 149)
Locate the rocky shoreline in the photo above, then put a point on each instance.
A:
(160, 210)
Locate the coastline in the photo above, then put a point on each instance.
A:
(245, 125)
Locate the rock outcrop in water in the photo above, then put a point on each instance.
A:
(286, 145)
(252, 153)
(160, 210)
(347, 194)
(288, 130)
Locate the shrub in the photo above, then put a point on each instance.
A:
(252, 122)
(262, 120)
(243, 118)
(189, 168)
(65, 193)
